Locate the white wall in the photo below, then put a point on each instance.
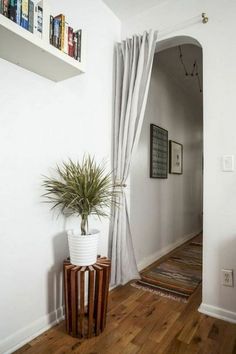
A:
(165, 212)
(42, 123)
(219, 80)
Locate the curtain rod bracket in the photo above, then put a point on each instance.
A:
(205, 19)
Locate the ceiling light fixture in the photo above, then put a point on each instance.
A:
(195, 69)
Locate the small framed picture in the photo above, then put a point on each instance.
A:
(176, 157)
(158, 152)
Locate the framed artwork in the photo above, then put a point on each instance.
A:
(158, 152)
(176, 157)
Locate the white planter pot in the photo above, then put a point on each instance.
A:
(83, 248)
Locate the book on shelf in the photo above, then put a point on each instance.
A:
(5, 6)
(51, 29)
(75, 41)
(18, 11)
(12, 10)
(77, 44)
(79, 58)
(31, 16)
(56, 32)
(25, 14)
(38, 21)
(70, 42)
(63, 37)
(61, 34)
(66, 34)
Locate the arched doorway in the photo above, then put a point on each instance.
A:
(167, 212)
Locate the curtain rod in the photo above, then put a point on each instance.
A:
(196, 19)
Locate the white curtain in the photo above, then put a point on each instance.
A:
(133, 66)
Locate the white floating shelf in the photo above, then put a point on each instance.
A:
(25, 49)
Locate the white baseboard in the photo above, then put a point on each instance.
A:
(26, 334)
(218, 312)
(160, 253)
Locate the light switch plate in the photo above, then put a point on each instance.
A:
(228, 163)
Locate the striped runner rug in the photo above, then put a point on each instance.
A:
(178, 276)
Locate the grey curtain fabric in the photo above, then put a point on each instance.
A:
(133, 65)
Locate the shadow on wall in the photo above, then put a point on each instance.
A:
(55, 275)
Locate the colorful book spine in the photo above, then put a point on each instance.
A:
(12, 10)
(40, 21)
(70, 42)
(18, 11)
(62, 34)
(25, 14)
(61, 18)
(56, 32)
(77, 44)
(31, 16)
(75, 40)
(5, 5)
(36, 20)
(51, 29)
(65, 50)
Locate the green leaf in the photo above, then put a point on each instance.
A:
(81, 188)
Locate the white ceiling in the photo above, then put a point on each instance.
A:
(126, 8)
(168, 60)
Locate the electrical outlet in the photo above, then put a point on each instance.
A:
(227, 277)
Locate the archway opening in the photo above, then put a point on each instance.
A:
(167, 206)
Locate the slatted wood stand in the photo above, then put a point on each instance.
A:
(86, 321)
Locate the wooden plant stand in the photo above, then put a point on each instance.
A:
(86, 285)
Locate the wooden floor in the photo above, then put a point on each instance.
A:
(141, 322)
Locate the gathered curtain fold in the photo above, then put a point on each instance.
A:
(133, 66)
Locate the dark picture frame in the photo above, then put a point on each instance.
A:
(175, 158)
(158, 152)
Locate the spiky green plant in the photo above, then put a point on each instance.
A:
(81, 189)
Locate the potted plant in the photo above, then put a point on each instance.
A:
(81, 189)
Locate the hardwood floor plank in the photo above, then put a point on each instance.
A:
(148, 347)
(124, 342)
(171, 334)
(190, 328)
(177, 347)
(201, 335)
(161, 328)
(226, 340)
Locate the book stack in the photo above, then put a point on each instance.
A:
(63, 37)
(26, 13)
